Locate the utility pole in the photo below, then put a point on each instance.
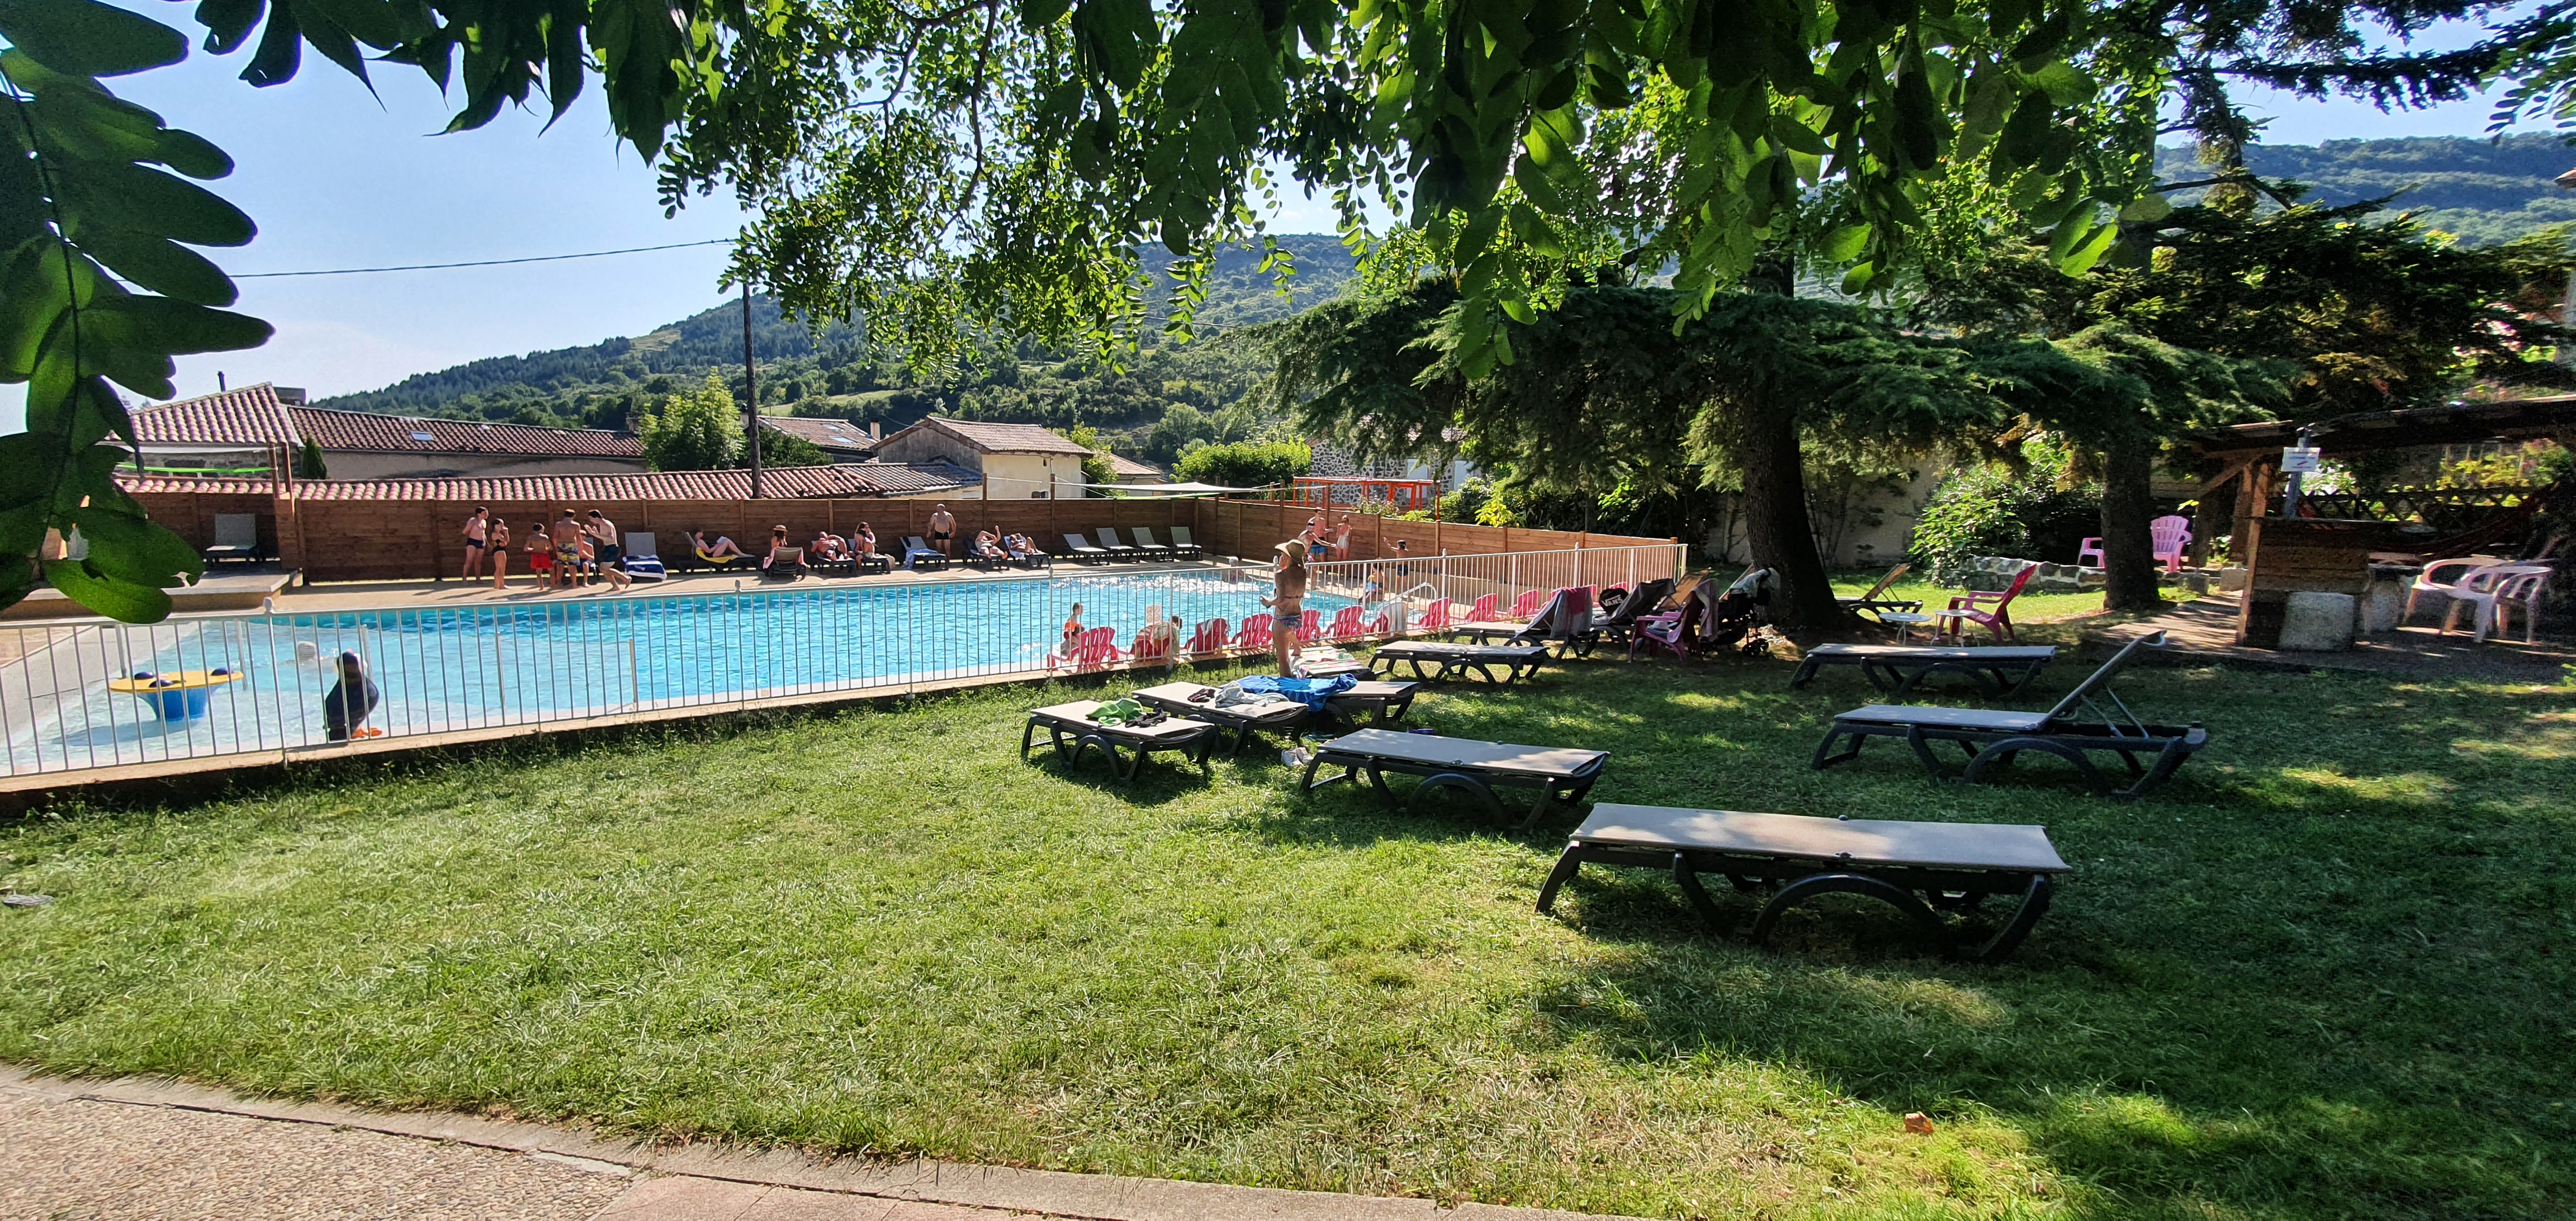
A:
(750, 392)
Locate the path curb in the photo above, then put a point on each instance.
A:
(1089, 1197)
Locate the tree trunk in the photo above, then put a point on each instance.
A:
(1775, 520)
(2128, 549)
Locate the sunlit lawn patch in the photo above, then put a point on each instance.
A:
(2325, 972)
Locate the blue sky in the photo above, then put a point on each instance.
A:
(336, 177)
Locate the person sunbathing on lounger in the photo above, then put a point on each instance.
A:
(721, 548)
(828, 546)
(777, 546)
(989, 546)
(864, 541)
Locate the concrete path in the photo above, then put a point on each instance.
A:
(72, 1150)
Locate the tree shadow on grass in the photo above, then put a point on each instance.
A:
(2132, 1061)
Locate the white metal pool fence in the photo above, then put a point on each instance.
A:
(565, 661)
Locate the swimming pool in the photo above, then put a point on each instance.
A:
(478, 666)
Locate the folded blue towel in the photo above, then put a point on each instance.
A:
(1312, 692)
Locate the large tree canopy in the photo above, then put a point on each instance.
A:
(944, 171)
(1608, 395)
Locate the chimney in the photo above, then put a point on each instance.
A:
(872, 431)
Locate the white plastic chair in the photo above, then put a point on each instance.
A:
(2430, 580)
(2491, 591)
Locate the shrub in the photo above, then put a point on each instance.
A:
(1988, 510)
(1245, 464)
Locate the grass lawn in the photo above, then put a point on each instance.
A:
(2326, 972)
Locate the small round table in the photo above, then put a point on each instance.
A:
(1905, 623)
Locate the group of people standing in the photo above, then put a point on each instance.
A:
(565, 555)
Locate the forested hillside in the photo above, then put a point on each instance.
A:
(2477, 189)
(1170, 395)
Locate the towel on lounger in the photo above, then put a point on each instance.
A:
(1312, 692)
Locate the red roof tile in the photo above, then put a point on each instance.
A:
(253, 416)
(994, 438)
(828, 433)
(848, 480)
(250, 416)
(1130, 468)
(367, 431)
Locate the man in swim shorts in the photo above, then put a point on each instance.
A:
(477, 539)
(942, 528)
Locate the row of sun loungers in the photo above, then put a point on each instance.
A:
(1933, 873)
(1111, 547)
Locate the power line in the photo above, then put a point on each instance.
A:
(542, 258)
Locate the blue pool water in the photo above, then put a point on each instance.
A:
(485, 665)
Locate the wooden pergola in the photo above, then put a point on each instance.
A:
(1320, 489)
(2314, 552)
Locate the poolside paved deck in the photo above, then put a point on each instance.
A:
(137, 1147)
(2204, 631)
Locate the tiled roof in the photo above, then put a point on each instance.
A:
(994, 438)
(848, 480)
(248, 416)
(1129, 468)
(830, 434)
(365, 430)
(253, 415)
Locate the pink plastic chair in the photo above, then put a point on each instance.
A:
(1435, 616)
(1142, 649)
(1097, 647)
(1346, 624)
(2491, 593)
(1994, 610)
(1529, 602)
(1483, 610)
(1255, 636)
(1209, 640)
(1309, 626)
(2171, 536)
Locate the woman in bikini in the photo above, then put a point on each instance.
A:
(498, 539)
(1287, 604)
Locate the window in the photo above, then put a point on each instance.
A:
(422, 436)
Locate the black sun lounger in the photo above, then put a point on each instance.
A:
(1083, 552)
(1921, 868)
(1071, 729)
(1271, 713)
(1437, 662)
(1375, 702)
(1991, 739)
(1558, 774)
(1897, 668)
(1107, 540)
(1145, 547)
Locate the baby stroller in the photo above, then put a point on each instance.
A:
(1710, 620)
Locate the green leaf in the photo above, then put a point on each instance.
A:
(1846, 243)
(160, 265)
(228, 22)
(2064, 83)
(131, 548)
(2081, 258)
(87, 38)
(126, 601)
(181, 328)
(2147, 209)
(143, 200)
(1857, 280)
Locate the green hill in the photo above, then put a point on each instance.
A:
(2478, 189)
(835, 374)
